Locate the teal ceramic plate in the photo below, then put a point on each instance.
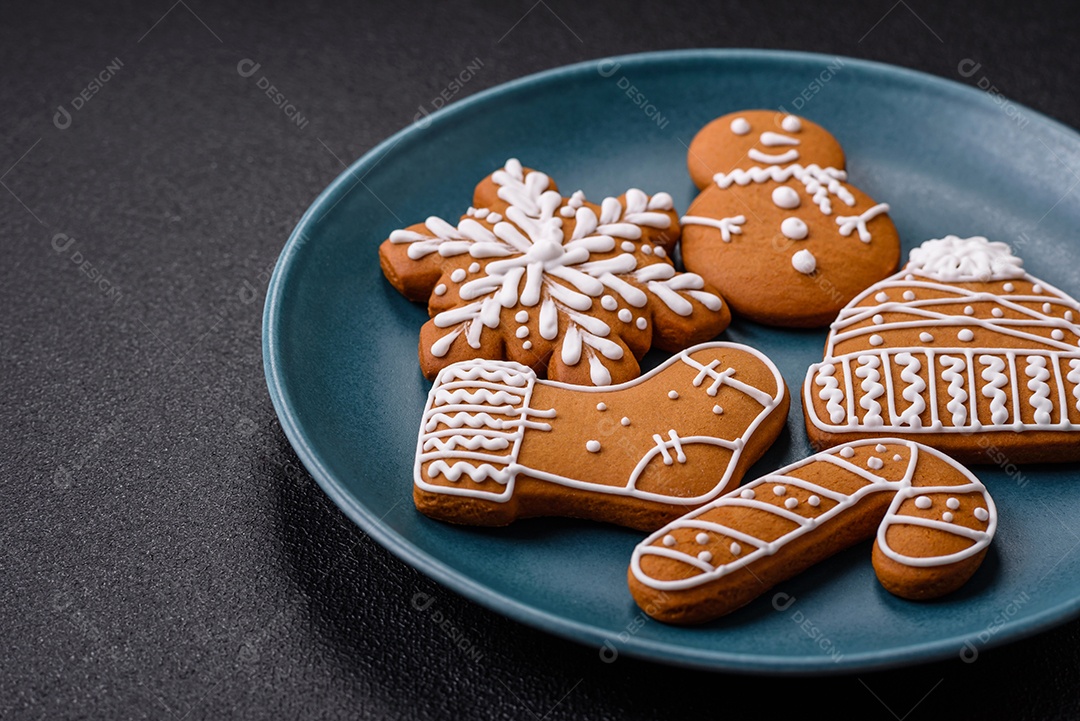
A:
(340, 344)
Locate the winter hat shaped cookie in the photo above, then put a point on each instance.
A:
(777, 228)
(961, 350)
(932, 518)
(497, 444)
(571, 289)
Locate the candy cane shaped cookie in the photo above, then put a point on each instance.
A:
(932, 518)
(497, 444)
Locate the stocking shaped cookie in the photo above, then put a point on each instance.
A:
(576, 291)
(777, 228)
(961, 350)
(497, 444)
(932, 518)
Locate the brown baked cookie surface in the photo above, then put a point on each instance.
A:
(777, 228)
(497, 444)
(961, 350)
(575, 290)
(933, 522)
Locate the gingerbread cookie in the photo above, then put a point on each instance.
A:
(934, 522)
(497, 444)
(961, 350)
(776, 228)
(576, 291)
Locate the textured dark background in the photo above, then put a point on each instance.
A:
(162, 553)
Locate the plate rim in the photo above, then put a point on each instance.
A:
(577, 631)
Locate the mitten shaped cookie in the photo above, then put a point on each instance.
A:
(933, 521)
(961, 350)
(777, 229)
(497, 444)
(576, 291)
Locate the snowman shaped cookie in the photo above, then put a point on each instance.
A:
(777, 228)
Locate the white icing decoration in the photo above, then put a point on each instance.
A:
(820, 182)
(1028, 372)
(998, 313)
(593, 446)
(740, 126)
(641, 323)
(876, 339)
(533, 261)
(702, 539)
(483, 439)
(735, 548)
(779, 490)
(669, 540)
(1008, 287)
(791, 503)
(878, 319)
(804, 262)
(874, 463)
(627, 246)
(522, 316)
(923, 502)
(847, 451)
(947, 517)
(727, 226)
(791, 124)
(981, 514)
(705, 557)
(772, 140)
(673, 395)
(522, 331)
(785, 197)
(794, 228)
(440, 289)
(608, 303)
(625, 315)
(601, 406)
(901, 490)
(784, 158)
(953, 504)
(527, 345)
(955, 260)
(909, 295)
(474, 267)
(717, 410)
(625, 421)
(814, 501)
(849, 223)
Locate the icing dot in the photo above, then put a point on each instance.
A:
(608, 303)
(458, 275)
(627, 246)
(735, 549)
(601, 406)
(740, 126)
(880, 448)
(947, 517)
(791, 124)
(522, 316)
(1046, 307)
(965, 335)
(876, 339)
(474, 268)
(440, 289)
(923, 502)
(791, 503)
(881, 297)
(669, 540)
(898, 458)
(968, 310)
(926, 337)
(523, 331)
(566, 211)
(997, 312)
(702, 538)
(795, 229)
(717, 410)
(847, 451)
(1036, 288)
(494, 218)
(785, 197)
(748, 493)
(673, 395)
(878, 319)
(1068, 316)
(705, 556)
(625, 315)
(1057, 334)
(874, 463)
(625, 421)
(646, 249)
(908, 295)
(481, 212)
(660, 252)
(593, 446)
(527, 345)
(981, 514)
(779, 490)
(804, 262)
(952, 503)
(641, 323)
(1008, 287)
(814, 501)
(909, 276)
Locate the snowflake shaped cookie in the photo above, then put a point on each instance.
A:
(574, 290)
